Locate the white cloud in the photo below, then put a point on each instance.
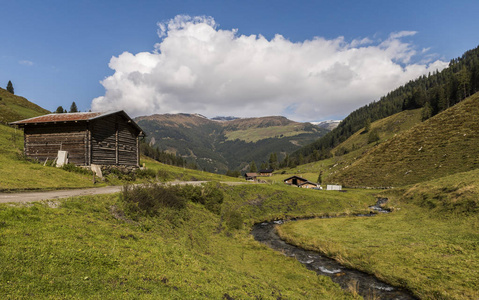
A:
(26, 63)
(198, 68)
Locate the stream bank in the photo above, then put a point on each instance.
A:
(364, 284)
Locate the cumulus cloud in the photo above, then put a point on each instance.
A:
(197, 67)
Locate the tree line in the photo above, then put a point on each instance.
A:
(165, 157)
(434, 93)
(73, 109)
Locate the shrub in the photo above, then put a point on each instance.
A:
(150, 199)
(234, 220)
(209, 195)
(117, 173)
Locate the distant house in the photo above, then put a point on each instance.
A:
(100, 138)
(333, 187)
(300, 182)
(250, 176)
(266, 172)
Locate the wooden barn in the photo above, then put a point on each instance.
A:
(266, 172)
(300, 182)
(91, 138)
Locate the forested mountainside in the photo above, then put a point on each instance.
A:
(434, 93)
(219, 146)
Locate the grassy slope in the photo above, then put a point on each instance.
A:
(171, 173)
(387, 128)
(446, 144)
(18, 173)
(256, 134)
(78, 249)
(14, 108)
(429, 244)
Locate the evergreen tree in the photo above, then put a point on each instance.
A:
(373, 136)
(59, 110)
(367, 125)
(73, 107)
(301, 159)
(463, 78)
(263, 166)
(320, 177)
(426, 112)
(316, 155)
(253, 168)
(285, 162)
(10, 87)
(273, 161)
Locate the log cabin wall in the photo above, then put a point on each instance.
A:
(113, 142)
(44, 141)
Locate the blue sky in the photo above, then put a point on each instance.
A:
(56, 52)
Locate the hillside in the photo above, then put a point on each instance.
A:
(14, 108)
(434, 92)
(355, 146)
(445, 144)
(218, 146)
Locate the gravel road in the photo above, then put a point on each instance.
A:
(47, 195)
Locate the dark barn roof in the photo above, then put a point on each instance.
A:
(74, 117)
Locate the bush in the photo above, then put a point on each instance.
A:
(150, 199)
(121, 175)
(234, 220)
(209, 195)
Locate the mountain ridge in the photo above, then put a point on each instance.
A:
(219, 146)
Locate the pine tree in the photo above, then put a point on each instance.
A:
(426, 112)
(73, 107)
(320, 179)
(367, 125)
(273, 161)
(59, 110)
(253, 168)
(10, 87)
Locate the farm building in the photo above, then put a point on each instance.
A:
(250, 176)
(334, 187)
(266, 172)
(91, 138)
(300, 182)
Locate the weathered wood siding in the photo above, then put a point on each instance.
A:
(113, 142)
(44, 141)
(127, 145)
(103, 141)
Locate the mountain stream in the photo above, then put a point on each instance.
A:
(366, 285)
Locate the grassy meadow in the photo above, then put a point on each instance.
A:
(94, 247)
(429, 244)
(17, 173)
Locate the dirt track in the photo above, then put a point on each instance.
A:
(39, 196)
